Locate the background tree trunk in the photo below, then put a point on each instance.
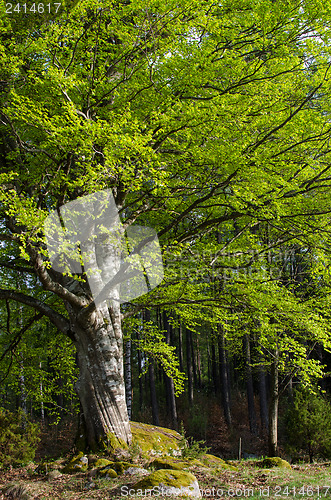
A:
(128, 378)
(154, 404)
(250, 389)
(263, 399)
(189, 366)
(214, 368)
(273, 408)
(140, 379)
(170, 388)
(224, 379)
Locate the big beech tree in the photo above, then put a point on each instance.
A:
(202, 118)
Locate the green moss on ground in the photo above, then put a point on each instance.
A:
(216, 462)
(270, 462)
(107, 473)
(102, 462)
(78, 463)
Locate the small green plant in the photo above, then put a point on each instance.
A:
(134, 451)
(189, 447)
(18, 438)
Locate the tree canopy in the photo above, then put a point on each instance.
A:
(209, 123)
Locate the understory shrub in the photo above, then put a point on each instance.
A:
(308, 425)
(18, 438)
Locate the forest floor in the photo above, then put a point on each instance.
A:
(205, 422)
(303, 481)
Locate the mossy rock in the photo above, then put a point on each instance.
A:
(78, 463)
(154, 440)
(102, 462)
(168, 482)
(107, 473)
(270, 462)
(119, 467)
(175, 463)
(216, 462)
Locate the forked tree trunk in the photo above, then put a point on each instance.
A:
(100, 386)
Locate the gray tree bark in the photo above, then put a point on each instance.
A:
(225, 385)
(128, 378)
(170, 388)
(263, 399)
(273, 408)
(154, 403)
(250, 389)
(189, 366)
(100, 385)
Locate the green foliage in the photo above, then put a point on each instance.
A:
(41, 363)
(308, 425)
(152, 342)
(18, 438)
(210, 123)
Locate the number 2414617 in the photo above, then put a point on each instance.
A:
(35, 8)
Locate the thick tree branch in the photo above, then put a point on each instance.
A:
(14, 343)
(51, 285)
(60, 321)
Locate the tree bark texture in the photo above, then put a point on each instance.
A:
(273, 408)
(263, 399)
(128, 378)
(154, 403)
(100, 385)
(189, 366)
(250, 389)
(224, 379)
(170, 388)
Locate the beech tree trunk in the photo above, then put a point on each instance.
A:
(224, 379)
(170, 388)
(263, 399)
(214, 368)
(199, 365)
(154, 403)
(180, 348)
(128, 378)
(250, 389)
(140, 380)
(273, 408)
(189, 366)
(100, 386)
